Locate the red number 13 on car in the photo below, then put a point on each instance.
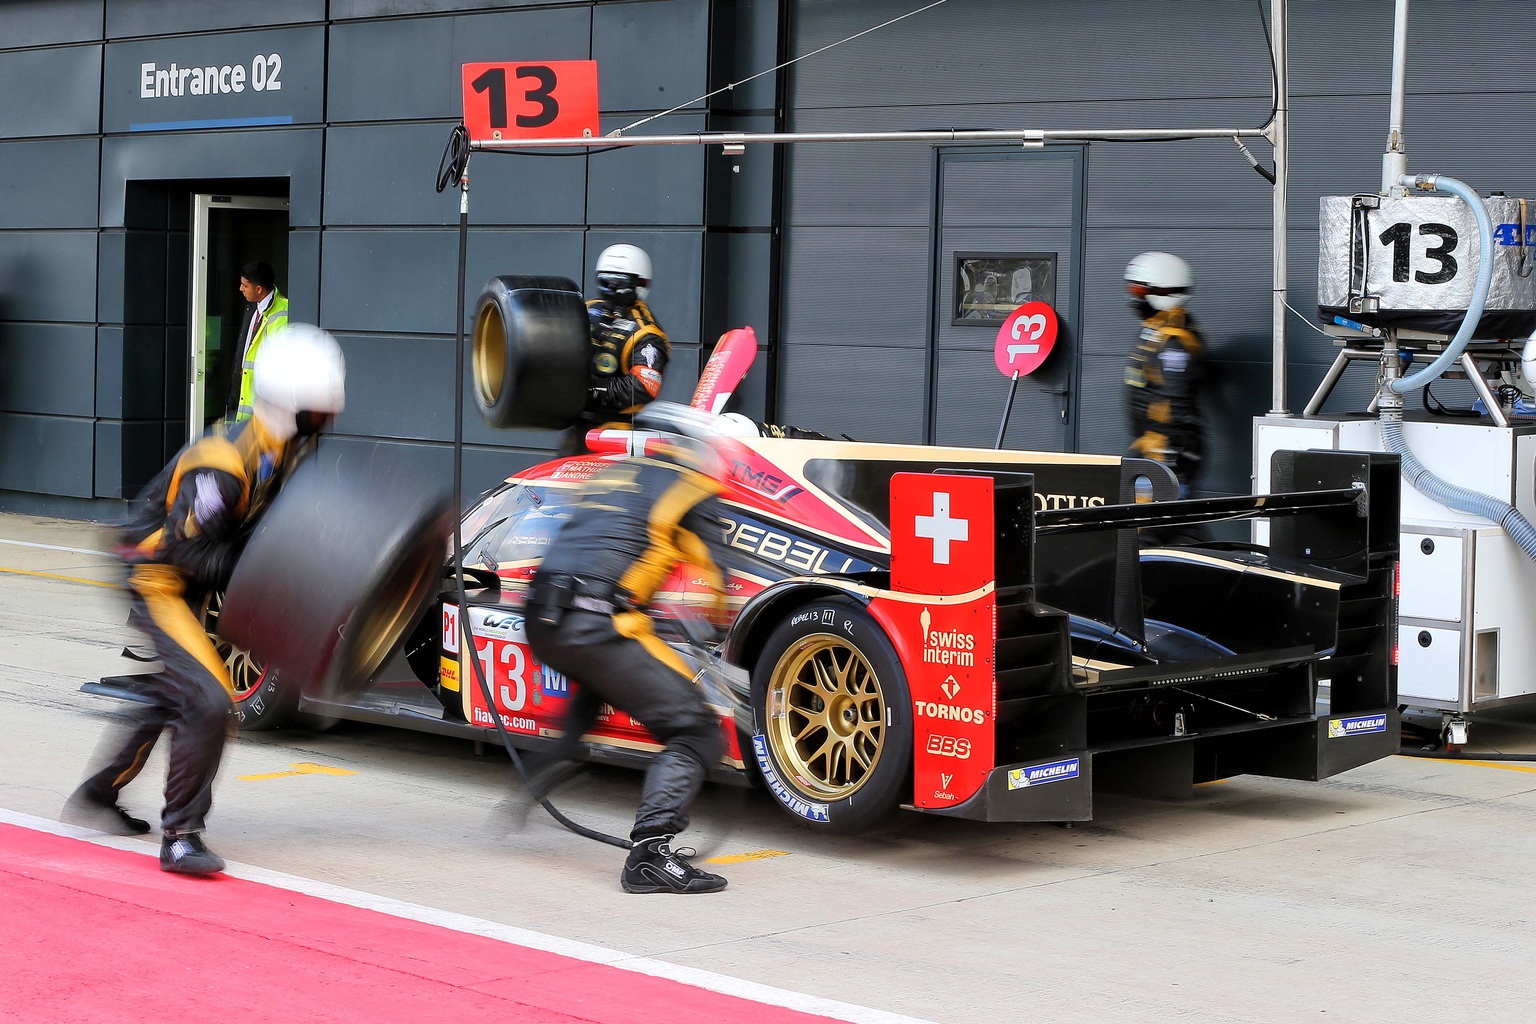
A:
(548, 100)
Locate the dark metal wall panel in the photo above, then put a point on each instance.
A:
(48, 369)
(128, 455)
(1005, 53)
(294, 154)
(159, 17)
(46, 454)
(856, 286)
(48, 275)
(377, 67)
(383, 174)
(394, 281)
(51, 22)
(303, 292)
(496, 251)
(628, 43)
(738, 190)
(402, 281)
(49, 184)
(130, 373)
(346, 10)
(648, 184)
(398, 387)
(867, 393)
(50, 92)
(861, 184)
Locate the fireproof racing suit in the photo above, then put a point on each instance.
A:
(184, 536)
(629, 356)
(587, 619)
(1163, 377)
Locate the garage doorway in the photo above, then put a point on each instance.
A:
(1008, 229)
(227, 232)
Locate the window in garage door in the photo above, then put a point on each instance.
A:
(1008, 227)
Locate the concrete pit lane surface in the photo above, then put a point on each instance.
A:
(1396, 891)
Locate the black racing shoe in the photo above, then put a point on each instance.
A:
(654, 866)
(84, 809)
(185, 854)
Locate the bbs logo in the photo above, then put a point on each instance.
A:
(949, 746)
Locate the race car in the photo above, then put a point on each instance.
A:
(976, 633)
(957, 631)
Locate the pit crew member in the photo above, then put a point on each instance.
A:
(182, 540)
(629, 349)
(1166, 367)
(587, 619)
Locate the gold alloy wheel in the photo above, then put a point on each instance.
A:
(488, 359)
(826, 716)
(385, 623)
(245, 672)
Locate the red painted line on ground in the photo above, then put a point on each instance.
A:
(96, 934)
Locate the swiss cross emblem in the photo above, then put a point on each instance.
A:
(941, 533)
(941, 528)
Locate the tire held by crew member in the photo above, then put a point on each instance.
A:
(338, 571)
(530, 352)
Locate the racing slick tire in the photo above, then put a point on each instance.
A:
(530, 353)
(337, 571)
(263, 698)
(832, 718)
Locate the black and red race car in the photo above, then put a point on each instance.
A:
(960, 631)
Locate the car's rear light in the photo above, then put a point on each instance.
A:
(1397, 580)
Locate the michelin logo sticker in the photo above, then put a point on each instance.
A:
(1040, 774)
(804, 808)
(1338, 727)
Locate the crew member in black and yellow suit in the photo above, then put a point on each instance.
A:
(182, 541)
(587, 619)
(1166, 368)
(629, 349)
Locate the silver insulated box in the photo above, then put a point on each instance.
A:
(1409, 262)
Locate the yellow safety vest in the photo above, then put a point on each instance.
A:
(274, 318)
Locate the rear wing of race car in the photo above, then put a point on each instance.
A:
(1220, 677)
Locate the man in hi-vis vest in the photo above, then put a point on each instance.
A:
(265, 313)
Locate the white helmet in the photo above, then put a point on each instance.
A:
(734, 424)
(1160, 279)
(687, 432)
(299, 381)
(627, 269)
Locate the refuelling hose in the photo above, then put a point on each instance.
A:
(1419, 477)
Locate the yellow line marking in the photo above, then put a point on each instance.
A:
(737, 858)
(1502, 765)
(1213, 782)
(302, 768)
(55, 576)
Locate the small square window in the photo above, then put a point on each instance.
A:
(990, 285)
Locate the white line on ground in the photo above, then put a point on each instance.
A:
(55, 547)
(698, 978)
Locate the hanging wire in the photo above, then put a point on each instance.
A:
(618, 132)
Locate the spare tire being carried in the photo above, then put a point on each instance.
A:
(338, 569)
(531, 352)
